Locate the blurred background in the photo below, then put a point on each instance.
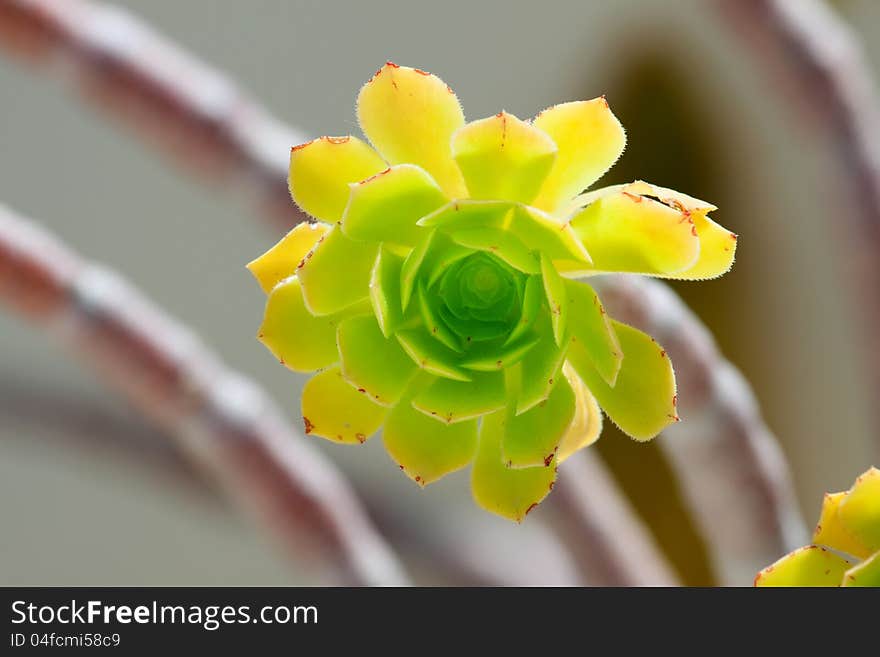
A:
(703, 115)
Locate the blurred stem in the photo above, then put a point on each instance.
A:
(222, 421)
(824, 72)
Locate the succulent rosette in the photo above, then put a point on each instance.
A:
(436, 296)
(846, 542)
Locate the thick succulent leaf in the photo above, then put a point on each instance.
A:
(717, 244)
(544, 233)
(539, 369)
(425, 449)
(533, 297)
(434, 324)
(557, 299)
(455, 401)
(500, 243)
(807, 566)
(503, 157)
(859, 511)
(298, 339)
(321, 170)
(332, 408)
(430, 355)
(586, 426)
(626, 232)
(831, 532)
(866, 573)
(490, 356)
(717, 251)
(385, 290)
(281, 260)
(386, 207)
(589, 139)
(410, 116)
(336, 273)
(532, 438)
(467, 213)
(373, 364)
(590, 325)
(642, 401)
(508, 492)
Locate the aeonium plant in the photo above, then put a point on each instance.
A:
(440, 292)
(845, 550)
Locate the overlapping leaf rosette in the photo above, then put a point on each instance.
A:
(846, 542)
(436, 293)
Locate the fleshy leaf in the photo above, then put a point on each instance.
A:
(859, 511)
(625, 232)
(410, 116)
(321, 170)
(533, 296)
(539, 369)
(717, 244)
(455, 401)
(336, 273)
(589, 324)
(412, 264)
(499, 243)
(807, 566)
(431, 355)
(468, 213)
(586, 426)
(589, 139)
(425, 449)
(295, 337)
(642, 401)
(385, 290)
(281, 260)
(502, 157)
(489, 356)
(374, 364)
(508, 492)
(386, 207)
(866, 573)
(542, 232)
(333, 409)
(831, 532)
(434, 324)
(532, 438)
(557, 299)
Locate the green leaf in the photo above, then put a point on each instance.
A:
(642, 402)
(589, 324)
(385, 290)
(425, 449)
(295, 337)
(502, 157)
(540, 368)
(385, 207)
(336, 273)
(333, 409)
(532, 438)
(432, 356)
(455, 401)
(508, 492)
(321, 170)
(866, 573)
(372, 363)
(557, 300)
(807, 566)
(499, 243)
